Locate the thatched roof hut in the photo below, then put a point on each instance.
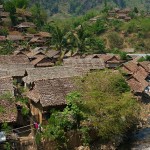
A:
(85, 63)
(53, 73)
(51, 92)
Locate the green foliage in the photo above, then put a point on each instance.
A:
(7, 96)
(7, 48)
(110, 107)
(2, 110)
(141, 59)
(39, 15)
(31, 30)
(61, 122)
(99, 27)
(115, 41)
(25, 111)
(11, 8)
(7, 146)
(4, 32)
(146, 58)
(6, 127)
(20, 3)
(123, 55)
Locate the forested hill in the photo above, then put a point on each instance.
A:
(78, 7)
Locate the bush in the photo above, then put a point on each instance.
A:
(110, 107)
(31, 30)
(4, 32)
(115, 41)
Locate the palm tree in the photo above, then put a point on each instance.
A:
(81, 39)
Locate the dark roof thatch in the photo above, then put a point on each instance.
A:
(9, 111)
(52, 53)
(12, 59)
(53, 73)
(16, 70)
(6, 85)
(33, 54)
(51, 92)
(3, 73)
(85, 63)
(43, 60)
(15, 37)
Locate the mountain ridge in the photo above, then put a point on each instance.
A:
(80, 7)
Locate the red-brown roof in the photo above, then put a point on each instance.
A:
(129, 67)
(145, 65)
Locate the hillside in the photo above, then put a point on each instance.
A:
(79, 7)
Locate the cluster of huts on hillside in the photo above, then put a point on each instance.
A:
(48, 86)
(23, 32)
(121, 14)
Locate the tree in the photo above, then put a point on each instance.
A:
(39, 15)
(10, 7)
(136, 10)
(108, 103)
(62, 122)
(86, 43)
(20, 3)
(7, 48)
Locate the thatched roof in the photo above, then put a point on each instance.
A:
(6, 85)
(145, 65)
(53, 73)
(9, 111)
(21, 51)
(15, 37)
(93, 56)
(51, 92)
(110, 58)
(3, 73)
(33, 54)
(26, 25)
(129, 67)
(41, 59)
(15, 69)
(137, 81)
(52, 53)
(137, 86)
(44, 48)
(12, 59)
(44, 34)
(85, 63)
(37, 40)
(4, 14)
